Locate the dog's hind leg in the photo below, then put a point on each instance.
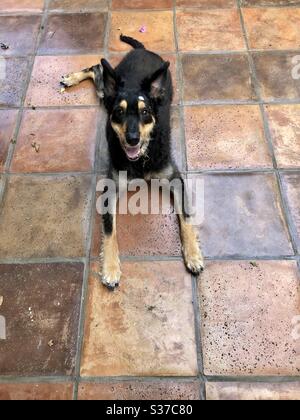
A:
(95, 73)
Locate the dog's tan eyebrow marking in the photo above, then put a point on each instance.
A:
(141, 105)
(124, 104)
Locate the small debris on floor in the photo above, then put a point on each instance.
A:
(254, 264)
(35, 146)
(4, 46)
(33, 108)
(151, 308)
(1, 300)
(51, 343)
(143, 29)
(13, 141)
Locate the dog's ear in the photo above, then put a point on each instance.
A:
(110, 80)
(155, 84)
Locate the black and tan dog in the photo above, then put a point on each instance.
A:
(138, 95)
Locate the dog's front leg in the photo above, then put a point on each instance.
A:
(95, 73)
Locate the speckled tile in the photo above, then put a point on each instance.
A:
(78, 5)
(7, 126)
(36, 391)
(13, 77)
(142, 4)
(28, 6)
(250, 329)
(291, 184)
(207, 4)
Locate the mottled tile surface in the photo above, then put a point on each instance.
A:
(138, 390)
(78, 5)
(142, 4)
(249, 330)
(243, 217)
(41, 305)
(287, 391)
(226, 137)
(275, 76)
(262, 3)
(156, 294)
(207, 4)
(14, 73)
(210, 30)
(275, 29)
(66, 140)
(130, 23)
(50, 217)
(74, 33)
(45, 90)
(7, 127)
(22, 6)
(36, 392)
(284, 122)
(292, 190)
(216, 77)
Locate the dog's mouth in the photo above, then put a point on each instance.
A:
(133, 153)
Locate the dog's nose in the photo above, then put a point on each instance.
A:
(133, 139)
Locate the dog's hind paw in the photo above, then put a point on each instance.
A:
(70, 80)
(111, 277)
(194, 262)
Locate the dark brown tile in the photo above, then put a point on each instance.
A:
(207, 4)
(216, 77)
(238, 391)
(45, 217)
(33, 6)
(36, 392)
(78, 5)
(138, 390)
(66, 140)
(13, 76)
(248, 310)
(142, 4)
(153, 294)
(209, 30)
(19, 33)
(243, 217)
(292, 190)
(7, 127)
(41, 306)
(74, 33)
(275, 76)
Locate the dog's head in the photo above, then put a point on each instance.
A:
(133, 113)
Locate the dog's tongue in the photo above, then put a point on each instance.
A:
(133, 152)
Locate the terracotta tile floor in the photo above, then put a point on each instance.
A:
(234, 334)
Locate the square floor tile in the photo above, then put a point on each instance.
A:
(13, 76)
(41, 305)
(273, 28)
(36, 392)
(142, 4)
(292, 190)
(7, 127)
(243, 217)
(156, 294)
(217, 77)
(130, 23)
(45, 217)
(140, 390)
(275, 76)
(66, 139)
(74, 33)
(44, 88)
(78, 5)
(207, 4)
(226, 137)
(19, 33)
(249, 330)
(210, 30)
(33, 6)
(284, 122)
(238, 391)
(266, 3)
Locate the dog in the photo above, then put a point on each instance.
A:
(137, 95)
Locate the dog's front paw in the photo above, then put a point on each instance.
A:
(69, 80)
(111, 274)
(194, 260)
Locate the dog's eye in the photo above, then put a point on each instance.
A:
(145, 112)
(120, 112)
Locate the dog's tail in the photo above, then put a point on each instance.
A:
(133, 42)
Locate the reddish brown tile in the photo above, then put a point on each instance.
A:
(275, 75)
(233, 391)
(41, 305)
(78, 5)
(19, 33)
(226, 137)
(138, 390)
(261, 3)
(292, 189)
(13, 75)
(284, 122)
(210, 30)
(279, 26)
(36, 392)
(33, 6)
(207, 4)
(7, 127)
(44, 88)
(243, 217)
(45, 217)
(66, 140)
(156, 294)
(250, 330)
(216, 77)
(74, 33)
(142, 4)
(130, 23)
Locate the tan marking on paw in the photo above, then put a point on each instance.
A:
(111, 270)
(74, 79)
(191, 250)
